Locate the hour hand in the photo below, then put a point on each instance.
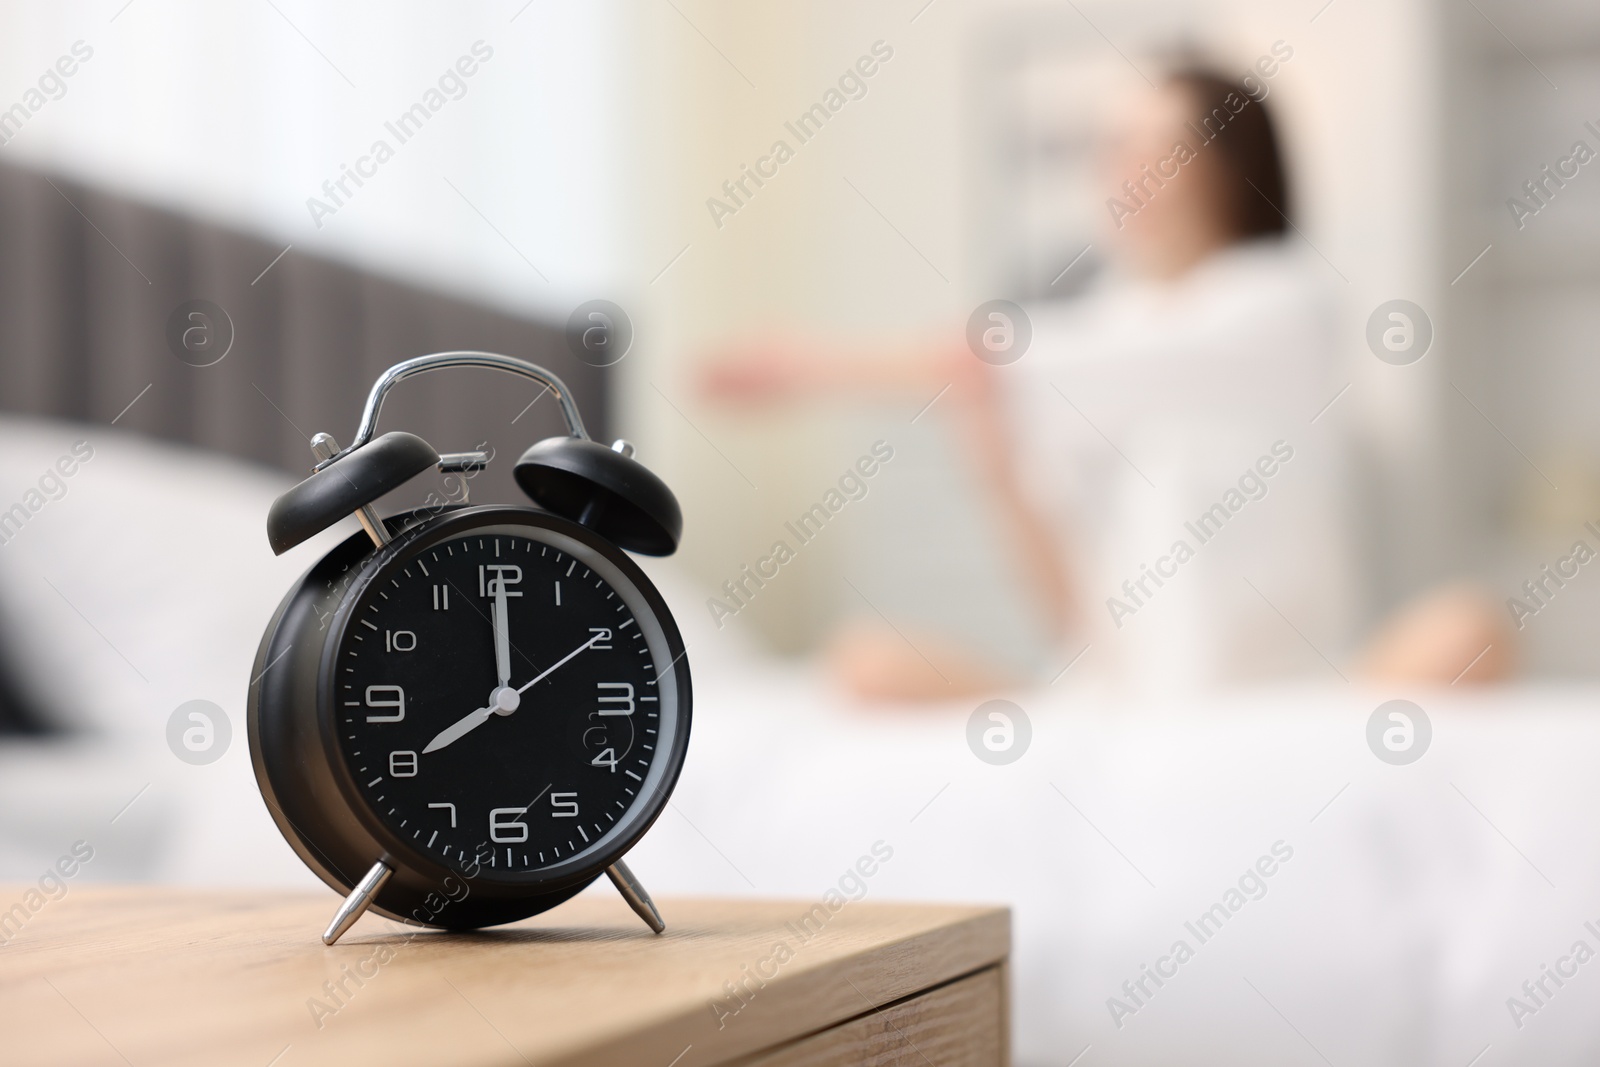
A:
(459, 729)
(504, 701)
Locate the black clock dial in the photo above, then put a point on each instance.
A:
(504, 700)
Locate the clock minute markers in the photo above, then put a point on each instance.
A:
(506, 700)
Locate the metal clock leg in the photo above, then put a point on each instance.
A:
(635, 895)
(356, 903)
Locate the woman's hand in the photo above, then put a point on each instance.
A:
(774, 370)
(764, 372)
(874, 662)
(1454, 633)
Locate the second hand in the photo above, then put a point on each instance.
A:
(550, 669)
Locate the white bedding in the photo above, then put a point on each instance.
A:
(1393, 935)
(1413, 905)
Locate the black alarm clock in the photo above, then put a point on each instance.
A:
(463, 715)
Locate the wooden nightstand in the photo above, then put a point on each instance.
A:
(160, 976)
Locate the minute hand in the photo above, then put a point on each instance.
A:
(558, 663)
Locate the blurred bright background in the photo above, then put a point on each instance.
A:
(581, 161)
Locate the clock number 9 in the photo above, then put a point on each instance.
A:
(386, 696)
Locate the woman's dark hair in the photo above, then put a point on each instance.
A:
(1243, 145)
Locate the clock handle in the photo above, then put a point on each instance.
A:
(444, 361)
(358, 901)
(635, 895)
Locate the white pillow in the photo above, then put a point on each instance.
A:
(139, 581)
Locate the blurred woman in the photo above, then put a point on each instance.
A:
(1174, 481)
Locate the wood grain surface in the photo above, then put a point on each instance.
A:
(148, 976)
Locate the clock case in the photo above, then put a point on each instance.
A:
(309, 790)
(599, 496)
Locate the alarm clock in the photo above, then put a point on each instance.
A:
(464, 714)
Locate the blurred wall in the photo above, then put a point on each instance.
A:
(1521, 85)
(240, 112)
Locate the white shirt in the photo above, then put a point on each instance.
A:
(1138, 408)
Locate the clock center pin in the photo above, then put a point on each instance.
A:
(505, 700)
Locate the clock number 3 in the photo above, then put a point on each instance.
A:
(619, 701)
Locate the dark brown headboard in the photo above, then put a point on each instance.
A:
(89, 279)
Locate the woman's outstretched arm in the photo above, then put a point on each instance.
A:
(779, 371)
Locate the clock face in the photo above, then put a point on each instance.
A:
(505, 701)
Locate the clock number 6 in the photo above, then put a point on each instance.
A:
(507, 831)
